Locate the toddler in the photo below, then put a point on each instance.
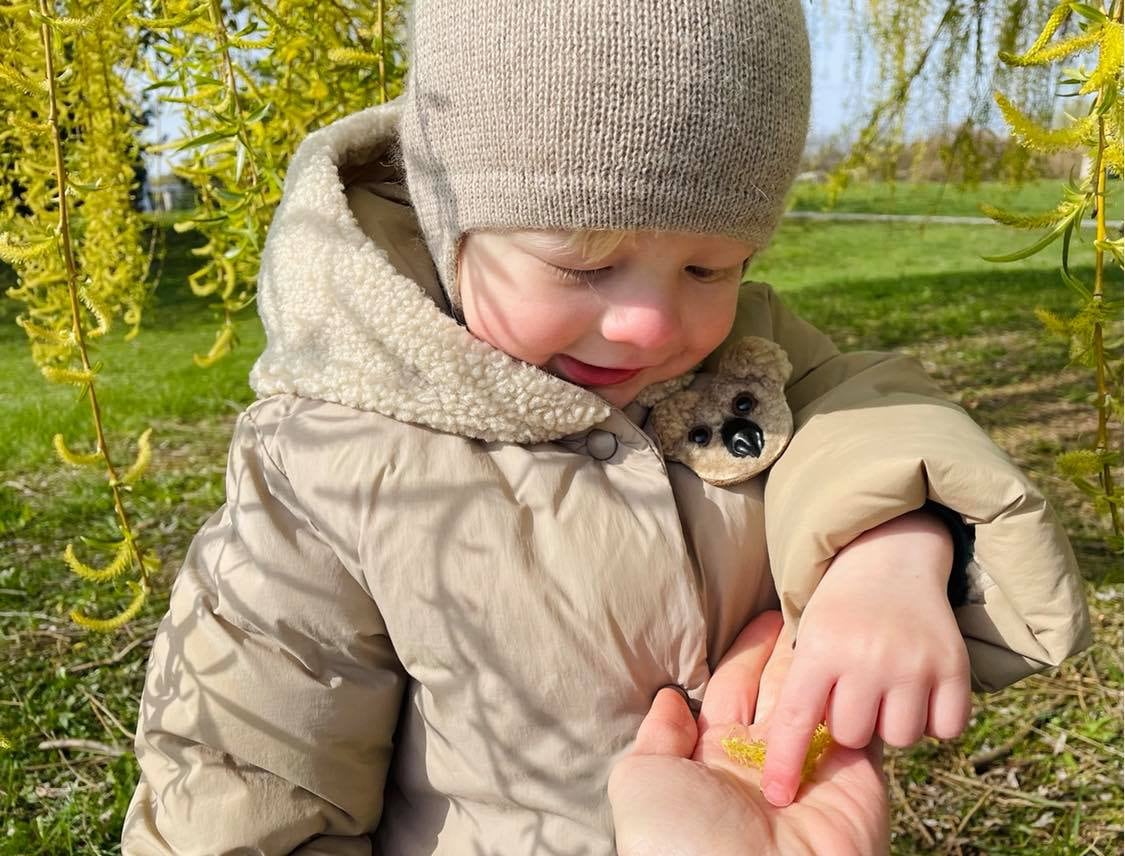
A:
(454, 567)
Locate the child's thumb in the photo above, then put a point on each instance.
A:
(668, 728)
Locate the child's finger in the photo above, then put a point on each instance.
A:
(902, 716)
(668, 728)
(852, 712)
(732, 694)
(950, 706)
(799, 710)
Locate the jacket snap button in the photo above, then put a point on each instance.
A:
(601, 444)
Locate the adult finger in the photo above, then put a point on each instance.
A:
(799, 710)
(774, 674)
(668, 728)
(732, 693)
(950, 706)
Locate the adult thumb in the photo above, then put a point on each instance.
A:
(668, 728)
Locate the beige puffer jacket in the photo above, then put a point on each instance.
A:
(445, 585)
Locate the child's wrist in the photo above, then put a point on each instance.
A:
(918, 539)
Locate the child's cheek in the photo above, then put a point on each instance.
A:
(528, 323)
(711, 319)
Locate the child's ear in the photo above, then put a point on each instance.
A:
(754, 357)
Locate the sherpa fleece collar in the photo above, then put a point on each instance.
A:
(343, 325)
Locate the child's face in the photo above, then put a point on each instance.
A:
(649, 311)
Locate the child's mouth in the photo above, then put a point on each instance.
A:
(585, 374)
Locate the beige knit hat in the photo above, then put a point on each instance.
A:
(677, 115)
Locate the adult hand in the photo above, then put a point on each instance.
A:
(878, 652)
(678, 792)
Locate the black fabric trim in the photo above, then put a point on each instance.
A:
(964, 537)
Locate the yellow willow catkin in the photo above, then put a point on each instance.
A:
(1110, 56)
(143, 459)
(752, 753)
(114, 568)
(76, 459)
(1032, 135)
(14, 253)
(352, 56)
(78, 377)
(1060, 14)
(1030, 221)
(107, 625)
(224, 341)
(1059, 50)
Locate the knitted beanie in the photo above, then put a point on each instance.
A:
(645, 115)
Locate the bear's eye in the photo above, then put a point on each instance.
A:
(700, 435)
(743, 403)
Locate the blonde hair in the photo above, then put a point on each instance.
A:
(595, 245)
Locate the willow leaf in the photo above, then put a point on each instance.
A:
(206, 139)
(1031, 250)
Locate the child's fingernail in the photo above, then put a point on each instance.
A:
(777, 794)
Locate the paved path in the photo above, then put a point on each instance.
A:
(841, 216)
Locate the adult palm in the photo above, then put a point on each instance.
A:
(677, 792)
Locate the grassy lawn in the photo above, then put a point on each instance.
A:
(1038, 771)
(935, 198)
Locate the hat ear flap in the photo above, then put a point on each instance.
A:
(754, 357)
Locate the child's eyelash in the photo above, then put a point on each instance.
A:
(704, 273)
(578, 275)
(584, 276)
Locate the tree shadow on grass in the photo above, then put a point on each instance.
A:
(977, 335)
(909, 311)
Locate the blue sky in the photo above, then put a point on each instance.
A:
(839, 82)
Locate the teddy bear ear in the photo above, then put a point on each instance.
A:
(653, 394)
(671, 417)
(755, 357)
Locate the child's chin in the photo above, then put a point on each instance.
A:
(619, 397)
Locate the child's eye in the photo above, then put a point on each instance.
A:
(579, 275)
(703, 273)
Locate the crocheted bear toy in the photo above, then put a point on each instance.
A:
(728, 426)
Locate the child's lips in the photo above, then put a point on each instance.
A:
(585, 374)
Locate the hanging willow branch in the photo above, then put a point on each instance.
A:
(1099, 135)
(249, 92)
(929, 56)
(128, 551)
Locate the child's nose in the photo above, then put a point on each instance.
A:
(651, 323)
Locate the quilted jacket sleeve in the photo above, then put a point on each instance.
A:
(272, 691)
(873, 439)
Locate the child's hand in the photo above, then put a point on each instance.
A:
(878, 651)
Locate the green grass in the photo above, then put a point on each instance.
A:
(1056, 789)
(132, 395)
(934, 198)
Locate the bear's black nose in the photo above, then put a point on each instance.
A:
(743, 438)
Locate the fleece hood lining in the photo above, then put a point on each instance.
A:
(344, 325)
